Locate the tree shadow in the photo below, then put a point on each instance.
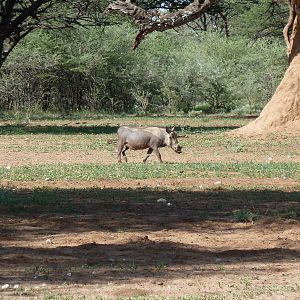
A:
(206, 129)
(28, 216)
(113, 209)
(21, 129)
(143, 258)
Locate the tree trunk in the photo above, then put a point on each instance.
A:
(282, 112)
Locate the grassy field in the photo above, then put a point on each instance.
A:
(139, 171)
(219, 221)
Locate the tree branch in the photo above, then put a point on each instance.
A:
(157, 20)
(288, 27)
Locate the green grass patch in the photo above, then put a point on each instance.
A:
(151, 171)
(244, 216)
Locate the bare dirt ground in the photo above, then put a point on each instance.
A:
(113, 239)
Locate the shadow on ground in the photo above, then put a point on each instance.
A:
(29, 216)
(21, 129)
(139, 258)
(79, 210)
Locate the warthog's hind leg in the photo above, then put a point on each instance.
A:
(124, 152)
(120, 147)
(150, 150)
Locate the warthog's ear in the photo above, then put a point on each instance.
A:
(169, 130)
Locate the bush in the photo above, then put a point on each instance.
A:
(95, 70)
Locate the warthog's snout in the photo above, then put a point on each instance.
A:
(178, 149)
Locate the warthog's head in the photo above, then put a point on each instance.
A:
(173, 142)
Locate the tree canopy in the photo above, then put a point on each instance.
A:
(20, 17)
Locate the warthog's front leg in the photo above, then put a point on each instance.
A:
(156, 151)
(150, 150)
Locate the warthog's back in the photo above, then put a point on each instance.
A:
(136, 138)
(159, 132)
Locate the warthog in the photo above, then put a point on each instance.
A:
(135, 138)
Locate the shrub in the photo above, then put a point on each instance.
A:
(91, 69)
